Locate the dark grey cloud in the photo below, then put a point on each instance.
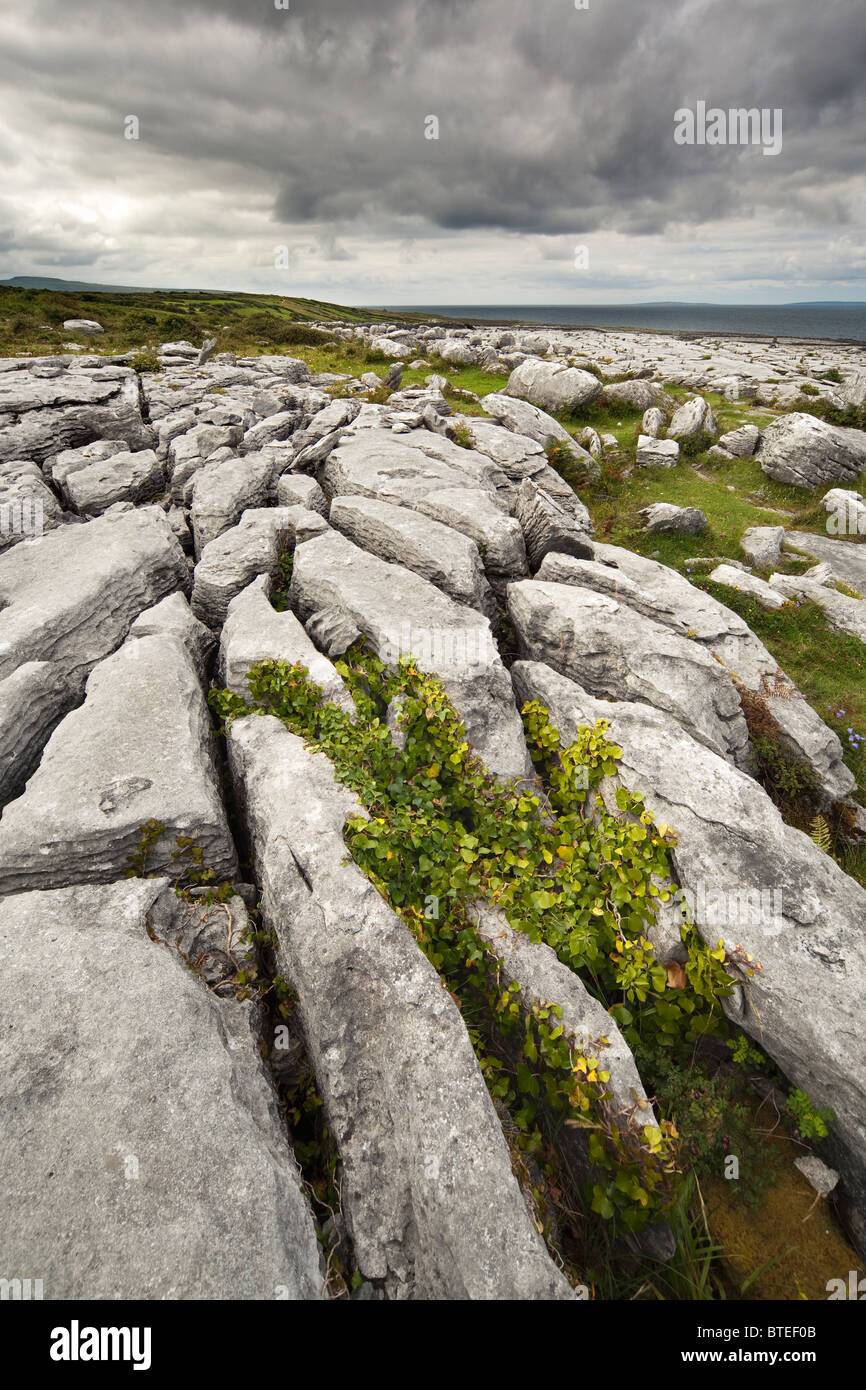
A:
(259, 125)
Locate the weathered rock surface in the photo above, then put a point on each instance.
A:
(479, 515)
(666, 596)
(750, 584)
(138, 749)
(638, 395)
(619, 654)
(254, 631)
(142, 1150)
(847, 559)
(406, 468)
(524, 418)
(804, 451)
(741, 442)
(124, 477)
(448, 640)
(297, 490)
(427, 1189)
(695, 417)
(173, 616)
(664, 516)
(548, 527)
(33, 700)
(845, 614)
(229, 563)
(42, 413)
(653, 422)
(805, 1004)
(76, 604)
(553, 386)
(439, 553)
(656, 453)
(222, 492)
(762, 546)
(28, 507)
(846, 512)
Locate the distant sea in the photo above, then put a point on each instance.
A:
(825, 320)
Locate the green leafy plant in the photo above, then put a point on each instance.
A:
(440, 830)
(812, 1121)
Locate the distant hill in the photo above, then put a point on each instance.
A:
(45, 282)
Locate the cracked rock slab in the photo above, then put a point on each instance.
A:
(619, 654)
(254, 631)
(41, 415)
(138, 749)
(432, 1206)
(222, 492)
(123, 477)
(402, 614)
(667, 597)
(33, 700)
(231, 561)
(142, 1150)
(76, 604)
(480, 516)
(439, 553)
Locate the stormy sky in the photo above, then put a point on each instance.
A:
(287, 150)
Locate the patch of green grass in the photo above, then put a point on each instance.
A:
(31, 320)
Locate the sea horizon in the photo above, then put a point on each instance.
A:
(819, 319)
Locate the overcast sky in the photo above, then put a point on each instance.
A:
(306, 128)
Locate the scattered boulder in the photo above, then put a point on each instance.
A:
(664, 516)
(846, 511)
(636, 395)
(657, 453)
(741, 442)
(88, 328)
(553, 386)
(695, 417)
(762, 546)
(803, 451)
(653, 422)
